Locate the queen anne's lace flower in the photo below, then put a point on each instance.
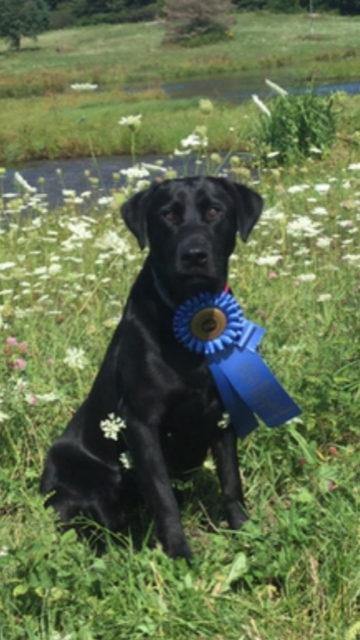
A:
(112, 426)
(224, 422)
(75, 358)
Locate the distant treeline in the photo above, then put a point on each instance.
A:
(67, 12)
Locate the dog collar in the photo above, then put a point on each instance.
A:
(214, 325)
(164, 295)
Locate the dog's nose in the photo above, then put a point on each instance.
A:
(194, 256)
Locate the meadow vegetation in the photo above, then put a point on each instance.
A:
(54, 120)
(293, 571)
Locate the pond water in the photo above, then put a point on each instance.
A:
(73, 173)
(236, 88)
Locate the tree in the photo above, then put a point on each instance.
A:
(197, 20)
(22, 18)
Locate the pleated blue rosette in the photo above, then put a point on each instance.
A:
(222, 301)
(214, 325)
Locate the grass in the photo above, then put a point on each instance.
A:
(75, 126)
(116, 55)
(293, 571)
(52, 121)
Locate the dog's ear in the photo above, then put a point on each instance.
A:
(248, 204)
(134, 214)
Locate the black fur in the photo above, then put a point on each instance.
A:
(164, 393)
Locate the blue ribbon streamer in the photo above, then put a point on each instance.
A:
(245, 383)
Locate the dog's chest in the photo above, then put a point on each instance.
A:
(188, 427)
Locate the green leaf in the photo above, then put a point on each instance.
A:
(303, 496)
(20, 590)
(237, 570)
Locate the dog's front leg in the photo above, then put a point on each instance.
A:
(225, 453)
(155, 483)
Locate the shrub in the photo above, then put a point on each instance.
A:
(195, 22)
(299, 126)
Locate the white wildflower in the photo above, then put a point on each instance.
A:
(51, 396)
(105, 200)
(69, 193)
(322, 188)
(324, 297)
(133, 122)
(224, 422)
(271, 214)
(135, 173)
(112, 241)
(276, 87)
(261, 105)
(126, 460)
(18, 178)
(182, 153)
(303, 226)
(323, 242)
(193, 141)
(268, 261)
(39, 271)
(75, 358)
(153, 167)
(302, 251)
(352, 258)
(354, 166)
(306, 277)
(297, 188)
(84, 86)
(319, 211)
(54, 269)
(80, 231)
(7, 265)
(273, 154)
(112, 426)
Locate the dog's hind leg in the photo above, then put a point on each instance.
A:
(80, 484)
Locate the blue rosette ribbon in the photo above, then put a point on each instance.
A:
(214, 325)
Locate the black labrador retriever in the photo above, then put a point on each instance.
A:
(164, 393)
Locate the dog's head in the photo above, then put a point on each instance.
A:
(191, 225)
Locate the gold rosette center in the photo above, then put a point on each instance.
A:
(208, 323)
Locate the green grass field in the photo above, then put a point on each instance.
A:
(293, 571)
(53, 121)
(114, 55)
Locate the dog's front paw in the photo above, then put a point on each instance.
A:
(178, 549)
(236, 515)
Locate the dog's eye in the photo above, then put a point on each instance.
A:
(169, 215)
(213, 212)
